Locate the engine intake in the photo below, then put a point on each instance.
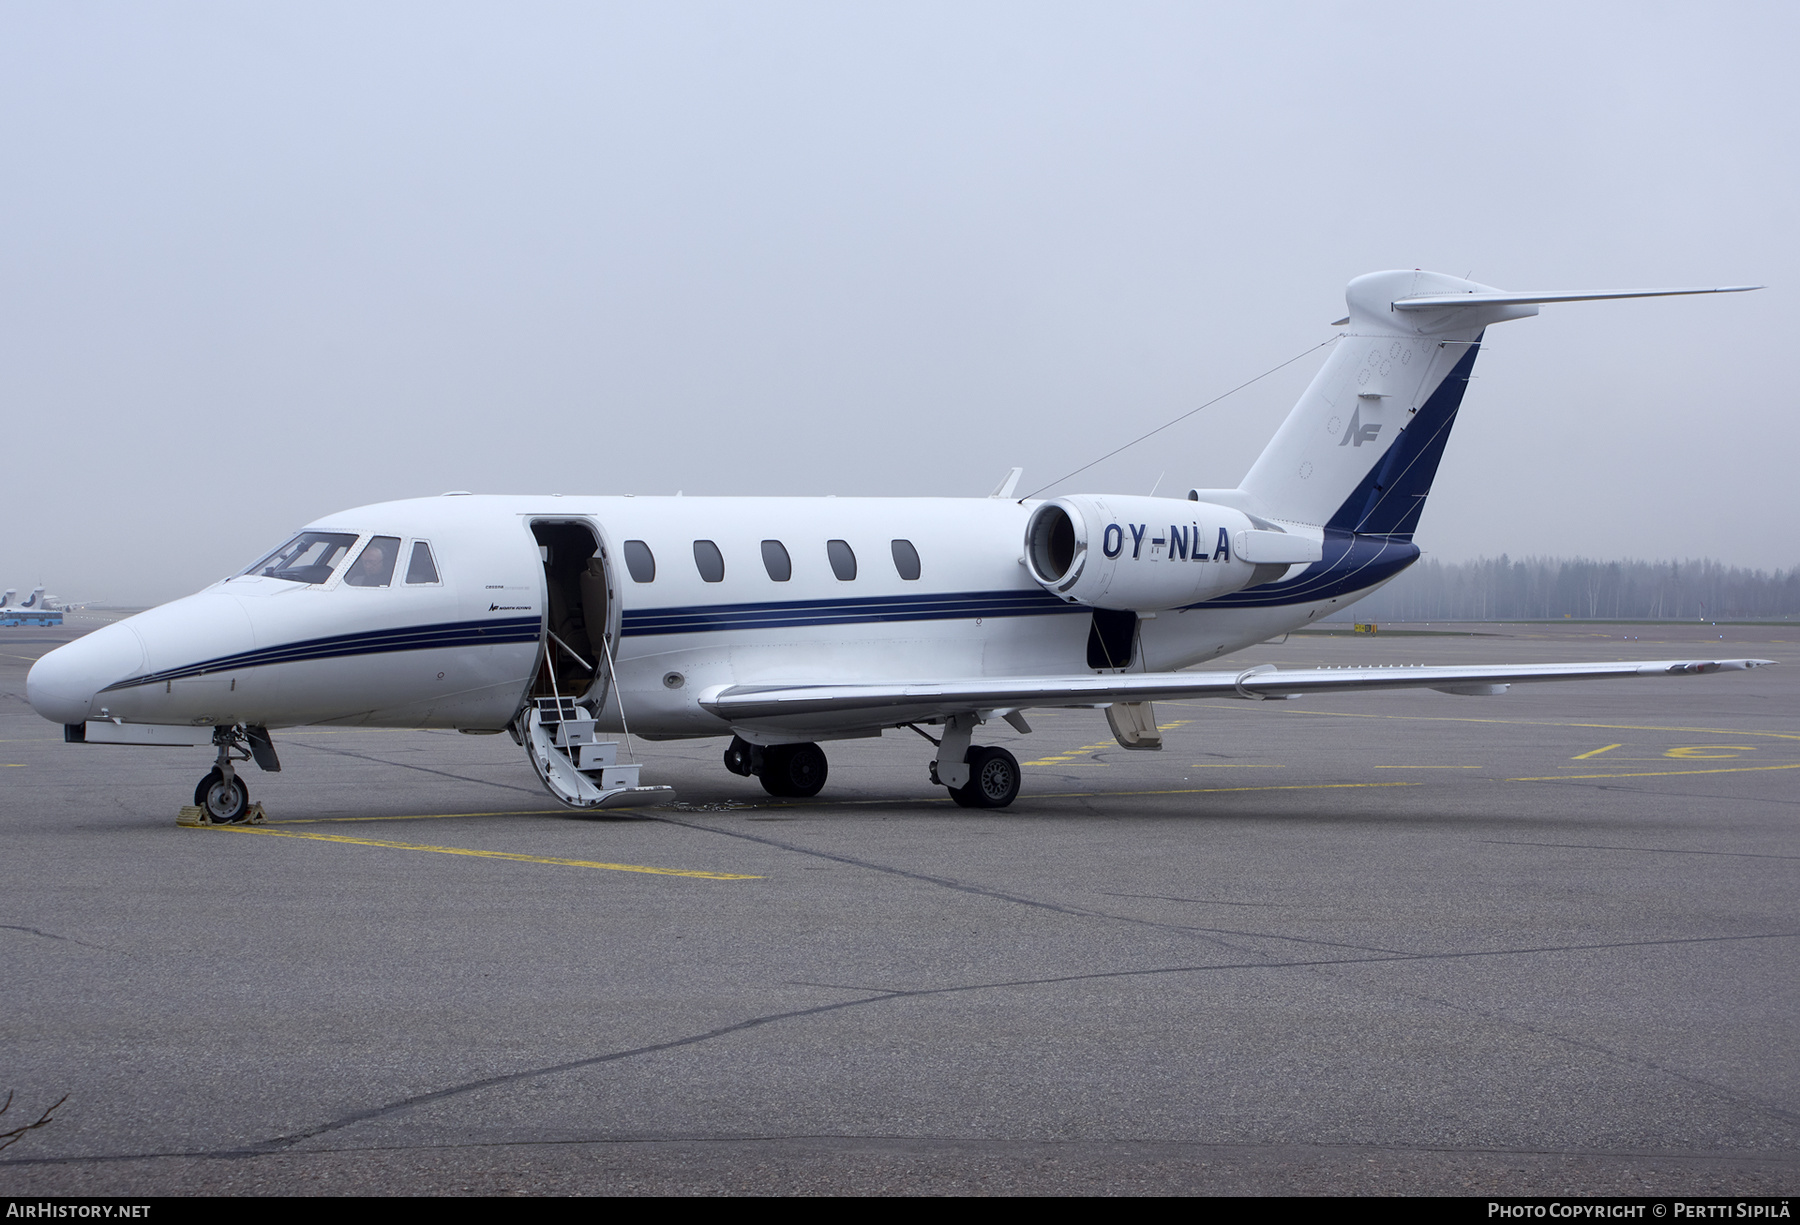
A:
(1148, 554)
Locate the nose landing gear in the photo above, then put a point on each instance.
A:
(224, 800)
(222, 797)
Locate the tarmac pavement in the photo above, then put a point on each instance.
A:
(1542, 943)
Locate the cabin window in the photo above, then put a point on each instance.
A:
(421, 568)
(776, 561)
(843, 560)
(640, 561)
(309, 557)
(906, 560)
(375, 568)
(709, 561)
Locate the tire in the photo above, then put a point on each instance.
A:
(222, 805)
(993, 779)
(794, 770)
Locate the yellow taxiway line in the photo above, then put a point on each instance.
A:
(789, 805)
(457, 850)
(1227, 708)
(430, 816)
(1075, 795)
(1557, 778)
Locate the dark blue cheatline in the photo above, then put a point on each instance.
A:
(1350, 564)
(500, 632)
(715, 618)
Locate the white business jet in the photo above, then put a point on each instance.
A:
(784, 622)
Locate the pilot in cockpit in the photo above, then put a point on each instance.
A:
(374, 568)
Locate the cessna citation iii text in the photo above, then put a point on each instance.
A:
(785, 622)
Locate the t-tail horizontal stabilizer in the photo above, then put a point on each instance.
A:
(1505, 298)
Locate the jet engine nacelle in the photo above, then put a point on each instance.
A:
(1141, 554)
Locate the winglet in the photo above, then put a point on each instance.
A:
(1011, 482)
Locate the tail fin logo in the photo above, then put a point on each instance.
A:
(1358, 432)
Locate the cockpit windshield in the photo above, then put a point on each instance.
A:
(309, 557)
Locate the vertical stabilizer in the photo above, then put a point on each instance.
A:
(1361, 448)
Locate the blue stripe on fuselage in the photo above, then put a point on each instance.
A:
(936, 606)
(505, 631)
(1350, 563)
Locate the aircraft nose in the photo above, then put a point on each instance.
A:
(62, 685)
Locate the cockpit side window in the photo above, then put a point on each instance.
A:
(375, 568)
(309, 557)
(421, 568)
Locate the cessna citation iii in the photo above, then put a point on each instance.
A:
(784, 622)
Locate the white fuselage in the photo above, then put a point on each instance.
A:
(467, 650)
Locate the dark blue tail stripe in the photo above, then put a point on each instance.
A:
(1390, 497)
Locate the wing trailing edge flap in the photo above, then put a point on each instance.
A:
(912, 701)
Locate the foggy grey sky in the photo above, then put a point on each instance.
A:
(266, 262)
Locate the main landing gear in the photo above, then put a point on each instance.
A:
(993, 779)
(787, 770)
(976, 776)
(222, 795)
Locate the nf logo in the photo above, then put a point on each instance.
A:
(1358, 432)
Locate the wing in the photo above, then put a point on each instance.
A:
(886, 704)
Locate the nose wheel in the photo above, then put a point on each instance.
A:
(222, 796)
(223, 800)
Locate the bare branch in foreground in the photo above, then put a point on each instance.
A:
(12, 1137)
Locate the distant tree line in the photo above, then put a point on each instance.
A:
(1504, 589)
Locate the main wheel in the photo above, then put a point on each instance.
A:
(222, 804)
(796, 770)
(993, 779)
